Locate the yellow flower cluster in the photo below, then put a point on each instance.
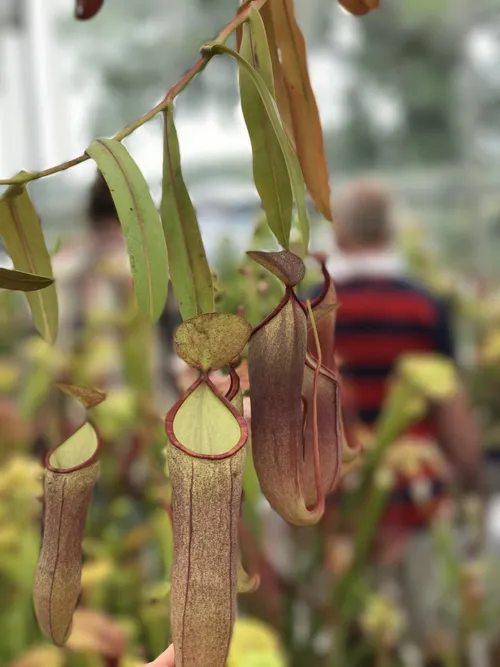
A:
(20, 490)
(490, 349)
(382, 620)
(20, 481)
(434, 376)
(255, 645)
(407, 457)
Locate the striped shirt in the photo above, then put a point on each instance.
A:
(380, 319)
(381, 316)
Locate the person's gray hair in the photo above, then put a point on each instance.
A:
(362, 214)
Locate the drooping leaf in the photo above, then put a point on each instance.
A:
(280, 93)
(87, 9)
(87, 396)
(286, 266)
(12, 279)
(282, 99)
(212, 340)
(140, 222)
(270, 171)
(260, 49)
(22, 234)
(306, 122)
(189, 269)
(137, 338)
(292, 163)
(239, 30)
(72, 470)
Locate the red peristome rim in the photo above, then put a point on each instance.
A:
(234, 387)
(326, 286)
(319, 506)
(169, 422)
(322, 370)
(333, 374)
(289, 294)
(93, 459)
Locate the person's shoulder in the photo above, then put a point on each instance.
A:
(418, 289)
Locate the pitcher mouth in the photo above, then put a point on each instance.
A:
(169, 420)
(85, 462)
(289, 294)
(326, 286)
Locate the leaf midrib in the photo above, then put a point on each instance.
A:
(141, 224)
(11, 203)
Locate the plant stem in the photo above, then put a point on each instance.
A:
(199, 66)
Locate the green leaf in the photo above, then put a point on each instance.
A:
(22, 281)
(292, 163)
(270, 171)
(304, 114)
(260, 47)
(189, 270)
(140, 223)
(22, 234)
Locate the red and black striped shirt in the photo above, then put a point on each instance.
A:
(380, 319)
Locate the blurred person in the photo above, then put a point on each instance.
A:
(382, 315)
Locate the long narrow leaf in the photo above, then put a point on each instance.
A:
(189, 269)
(281, 93)
(260, 49)
(293, 166)
(24, 282)
(22, 234)
(269, 166)
(306, 122)
(140, 222)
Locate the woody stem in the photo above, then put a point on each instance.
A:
(199, 66)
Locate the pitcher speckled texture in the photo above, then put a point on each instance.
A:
(67, 496)
(206, 499)
(205, 457)
(276, 363)
(276, 358)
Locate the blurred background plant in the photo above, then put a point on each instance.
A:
(321, 599)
